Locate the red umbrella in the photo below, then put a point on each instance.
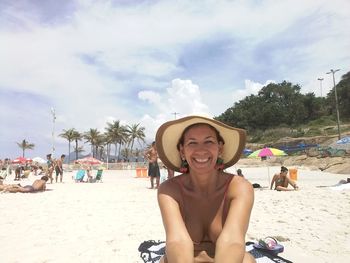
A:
(19, 160)
(89, 160)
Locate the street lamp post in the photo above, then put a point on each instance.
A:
(175, 113)
(53, 131)
(336, 99)
(320, 79)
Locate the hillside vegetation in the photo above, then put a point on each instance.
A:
(281, 111)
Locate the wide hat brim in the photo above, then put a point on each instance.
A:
(169, 133)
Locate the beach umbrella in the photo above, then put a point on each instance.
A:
(89, 160)
(265, 152)
(19, 160)
(39, 160)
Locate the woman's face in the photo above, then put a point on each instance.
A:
(201, 148)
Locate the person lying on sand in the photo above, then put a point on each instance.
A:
(282, 181)
(38, 185)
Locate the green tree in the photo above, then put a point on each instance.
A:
(135, 133)
(78, 150)
(275, 105)
(343, 91)
(92, 136)
(117, 134)
(25, 145)
(77, 136)
(69, 136)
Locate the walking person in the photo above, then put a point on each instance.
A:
(59, 168)
(153, 168)
(50, 166)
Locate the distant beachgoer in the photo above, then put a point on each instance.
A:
(59, 168)
(40, 170)
(343, 181)
(88, 174)
(50, 166)
(239, 172)
(38, 185)
(282, 181)
(18, 172)
(153, 168)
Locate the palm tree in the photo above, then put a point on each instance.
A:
(135, 133)
(24, 145)
(69, 136)
(117, 134)
(77, 136)
(78, 150)
(92, 136)
(99, 146)
(138, 153)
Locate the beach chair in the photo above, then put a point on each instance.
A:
(79, 176)
(26, 174)
(3, 174)
(98, 178)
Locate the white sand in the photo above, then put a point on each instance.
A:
(106, 222)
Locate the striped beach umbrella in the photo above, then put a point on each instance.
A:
(267, 151)
(89, 160)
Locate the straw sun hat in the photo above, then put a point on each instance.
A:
(169, 133)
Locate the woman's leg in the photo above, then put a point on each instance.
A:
(282, 188)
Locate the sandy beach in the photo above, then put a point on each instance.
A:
(106, 222)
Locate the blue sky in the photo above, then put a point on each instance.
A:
(141, 61)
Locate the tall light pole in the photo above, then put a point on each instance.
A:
(53, 130)
(336, 99)
(175, 113)
(320, 79)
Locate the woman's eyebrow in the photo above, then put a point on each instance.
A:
(194, 139)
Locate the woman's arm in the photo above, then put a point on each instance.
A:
(230, 246)
(179, 246)
(273, 181)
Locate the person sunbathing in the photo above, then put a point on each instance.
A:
(38, 185)
(281, 181)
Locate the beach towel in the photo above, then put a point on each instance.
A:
(151, 251)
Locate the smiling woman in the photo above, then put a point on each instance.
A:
(205, 210)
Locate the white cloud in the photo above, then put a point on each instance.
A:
(251, 88)
(181, 99)
(108, 62)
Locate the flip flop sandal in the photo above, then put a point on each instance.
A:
(269, 244)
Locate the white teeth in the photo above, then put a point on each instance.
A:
(202, 160)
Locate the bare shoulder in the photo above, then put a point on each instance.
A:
(240, 186)
(171, 187)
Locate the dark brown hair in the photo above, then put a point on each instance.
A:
(45, 178)
(284, 169)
